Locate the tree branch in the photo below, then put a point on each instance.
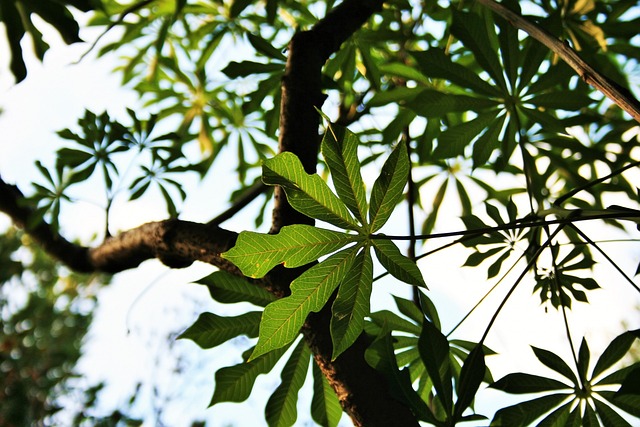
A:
(622, 97)
(362, 391)
(302, 92)
(176, 243)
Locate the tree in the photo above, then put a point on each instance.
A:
(465, 97)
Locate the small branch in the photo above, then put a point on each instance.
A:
(631, 215)
(247, 197)
(622, 97)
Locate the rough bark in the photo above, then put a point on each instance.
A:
(362, 391)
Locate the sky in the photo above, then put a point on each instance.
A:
(128, 341)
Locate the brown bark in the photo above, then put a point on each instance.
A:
(362, 391)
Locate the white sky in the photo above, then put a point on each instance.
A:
(151, 302)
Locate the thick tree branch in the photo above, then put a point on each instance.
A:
(622, 97)
(176, 243)
(302, 91)
(362, 391)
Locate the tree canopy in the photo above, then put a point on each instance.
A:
(366, 136)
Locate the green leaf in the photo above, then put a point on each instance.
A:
(352, 304)
(395, 322)
(436, 64)
(527, 412)
(388, 188)
(452, 142)
(238, 6)
(255, 254)
(554, 362)
(409, 309)
(471, 376)
(407, 72)
(488, 141)
(247, 68)
(234, 383)
(228, 289)
(281, 408)
(308, 194)
(473, 33)
(557, 418)
(282, 319)
(561, 100)
(433, 103)
(615, 351)
(434, 351)
(399, 266)
(325, 406)
(526, 383)
(340, 150)
(264, 47)
(381, 357)
(211, 330)
(15, 31)
(608, 416)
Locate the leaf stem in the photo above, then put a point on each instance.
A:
(518, 280)
(518, 224)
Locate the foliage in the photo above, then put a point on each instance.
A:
(448, 105)
(45, 312)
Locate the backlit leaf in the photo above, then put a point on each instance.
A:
(211, 330)
(281, 410)
(388, 188)
(400, 267)
(295, 245)
(325, 406)
(340, 150)
(282, 319)
(308, 194)
(434, 351)
(228, 288)
(523, 414)
(234, 383)
(352, 304)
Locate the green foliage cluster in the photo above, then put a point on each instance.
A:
(45, 312)
(444, 98)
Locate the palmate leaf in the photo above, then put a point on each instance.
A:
(211, 330)
(282, 319)
(296, 245)
(352, 304)
(307, 194)
(325, 406)
(434, 351)
(526, 383)
(340, 151)
(226, 288)
(523, 414)
(234, 383)
(399, 266)
(281, 406)
(381, 357)
(388, 188)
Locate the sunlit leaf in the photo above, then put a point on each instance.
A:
(325, 406)
(388, 187)
(525, 413)
(352, 304)
(296, 245)
(281, 407)
(282, 319)
(339, 148)
(228, 288)
(308, 194)
(211, 330)
(234, 383)
(400, 267)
